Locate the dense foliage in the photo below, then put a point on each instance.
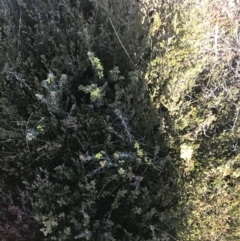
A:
(119, 120)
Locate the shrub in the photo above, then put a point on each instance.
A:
(119, 120)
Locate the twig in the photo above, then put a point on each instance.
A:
(152, 227)
(19, 28)
(234, 124)
(166, 233)
(216, 40)
(217, 236)
(26, 131)
(102, 189)
(118, 113)
(120, 40)
(19, 79)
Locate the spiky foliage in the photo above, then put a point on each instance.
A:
(192, 80)
(82, 122)
(119, 120)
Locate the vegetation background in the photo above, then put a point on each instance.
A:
(119, 120)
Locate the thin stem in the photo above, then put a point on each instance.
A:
(120, 40)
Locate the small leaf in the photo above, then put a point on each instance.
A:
(103, 163)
